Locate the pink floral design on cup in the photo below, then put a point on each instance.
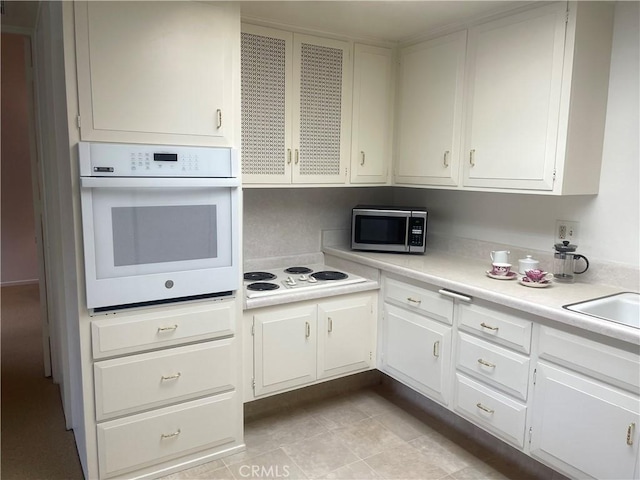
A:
(536, 275)
(500, 269)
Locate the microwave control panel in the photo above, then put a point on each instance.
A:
(416, 231)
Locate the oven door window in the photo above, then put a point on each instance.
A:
(379, 230)
(146, 231)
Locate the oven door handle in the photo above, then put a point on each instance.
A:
(157, 182)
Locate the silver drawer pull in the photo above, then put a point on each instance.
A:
(436, 349)
(288, 156)
(414, 301)
(307, 330)
(630, 429)
(486, 364)
(218, 119)
(472, 157)
(361, 158)
(170, 435)
(489, 327)
(483, 408)
(171, 377)
(167, 329)
(330, 328)
(446, 158)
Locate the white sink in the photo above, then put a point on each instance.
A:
(620, 308)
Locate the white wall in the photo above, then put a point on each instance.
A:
(609, 227)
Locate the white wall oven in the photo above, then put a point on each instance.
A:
(159, 222)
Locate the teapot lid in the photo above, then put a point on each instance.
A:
(565, 246)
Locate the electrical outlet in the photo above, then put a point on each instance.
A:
(566, 230)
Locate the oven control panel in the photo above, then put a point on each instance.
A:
(127, 160)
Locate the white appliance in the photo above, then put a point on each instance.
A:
(284, 280)
(159, 222)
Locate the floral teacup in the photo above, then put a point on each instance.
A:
(536, 275)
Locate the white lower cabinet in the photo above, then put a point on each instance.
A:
(417, 352)
(584, 424)
(306, 342)
(416, 338)
(166, 393)
(138, 441)
(496, 397)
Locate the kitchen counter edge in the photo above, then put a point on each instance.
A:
(468, 277)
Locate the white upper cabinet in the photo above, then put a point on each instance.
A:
(536, 96)
(513, 100)
(431, 78)
(372, 111)
(532, 114)
(296, 97)
(158, 72)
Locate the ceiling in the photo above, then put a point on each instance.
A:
(390, 20)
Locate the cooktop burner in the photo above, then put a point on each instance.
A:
(262, 286)
(329, 275)
(258, 276)
(298, 270)
(282, 280)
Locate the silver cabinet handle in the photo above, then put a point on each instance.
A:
(486, 409)
(361, 158)
(630, 430)
(297, 156)
(307, 330)
(218, 119)
(288, 156)
(414, 301)
(486, 364)
(436, 349)
(167, 329)
(489, 327)
(170, 435)
(171, 377)
(472, 157)
(330, 326)
(456, 295)
(446, 158)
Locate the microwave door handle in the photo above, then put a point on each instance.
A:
(407, 245)
(157, 182)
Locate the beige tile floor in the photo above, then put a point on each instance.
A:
(356, 436)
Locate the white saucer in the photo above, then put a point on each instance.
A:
(542, 284)
(508, 276)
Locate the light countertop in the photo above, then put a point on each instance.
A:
(468, 277)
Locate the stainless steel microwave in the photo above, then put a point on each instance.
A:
(389, 229)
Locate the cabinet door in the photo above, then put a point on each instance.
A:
(322, 102)
(266, 72)
(582, 427)
(284, 348)
(158, 72)
(345, 335)
(514, 77)
(430, 111)
(417, 352)
(371, 126)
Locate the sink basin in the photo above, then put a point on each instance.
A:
(621, 308)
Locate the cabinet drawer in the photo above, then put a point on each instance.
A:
(141, 440)
(419, 300)
(130, 384)
(498, 366)
(497, 413)
(605, 362)
(497, 326)
(130, 333)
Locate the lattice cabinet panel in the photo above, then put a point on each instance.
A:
(266, 116)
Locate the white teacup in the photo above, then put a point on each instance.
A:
(500, 269)
(500, 256)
